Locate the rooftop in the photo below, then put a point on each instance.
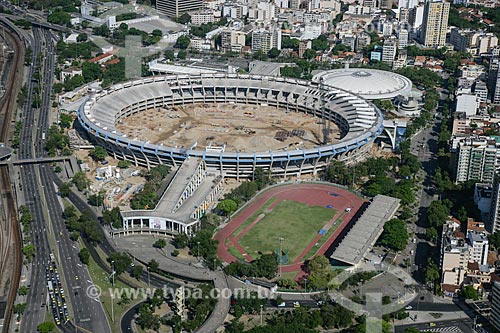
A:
(177, 181)
(367, 83)
(366, 230)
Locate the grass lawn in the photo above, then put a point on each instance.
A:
(100, 279)
(253, 217)
(297, 222)
(234, 251)
(324, 238)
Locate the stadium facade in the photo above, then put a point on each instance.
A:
(359, 121)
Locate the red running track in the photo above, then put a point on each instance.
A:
(311, 194)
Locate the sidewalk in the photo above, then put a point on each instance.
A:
(425, 317)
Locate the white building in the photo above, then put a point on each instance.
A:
(389, 50)
(479, 246)
(477, 158)
(232, 41)
(202, 17)
(265, 39)
(468, 103)
(402, 39)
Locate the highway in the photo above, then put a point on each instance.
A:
(34, 313)
(41, 198)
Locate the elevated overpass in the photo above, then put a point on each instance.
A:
(36, 160)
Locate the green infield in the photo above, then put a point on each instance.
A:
(298, 223)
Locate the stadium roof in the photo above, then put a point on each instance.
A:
(368, 83)
(366, 230)
(167, 206)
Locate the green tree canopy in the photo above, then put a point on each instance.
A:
(227, 206)
(46, 327)
(395, 235)
(98, 153)
(183, 42)
(120, 260)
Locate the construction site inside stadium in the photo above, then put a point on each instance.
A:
(236, 127)
(234, 122)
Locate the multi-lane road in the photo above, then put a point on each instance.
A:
(41, 198)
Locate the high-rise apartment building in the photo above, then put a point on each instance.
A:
(389, 50)
(266, 39)
(232, 41)
(175, 8)
(495, 306)
(402, 39)
(435, 23)
(476, 159)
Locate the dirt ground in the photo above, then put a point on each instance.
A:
(239, 127)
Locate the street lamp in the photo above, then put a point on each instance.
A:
(361, 291)
(305, 284)
(281, 239)
(214, 264)
(261, 315)
(148, 276)
(198, 250)
(113, 283)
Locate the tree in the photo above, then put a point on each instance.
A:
(59, 17)
(29, 251)
(124, 299)
(462, 214)
(98, 154)
(146, 318)
(19, 308)
(80, 180)
(432, 234)
(136, 272)
(182, 54)
(65, 120)
(337, 172)
(22, 291)
(154, 266)
(431, 271)
(184, 18)
(320, 43)
(82, 37)
(183, 42)
(437, 213)
(84, 255)
(97, 199)
(494, 239)
(113, 217)
(65, 189)
(123, 164)
(227, 206)
(395, 235)
(160, 243)
(320, 273)
(309, 54)
(120, 261)
(46, 327)
(91, 71)
(181, 241)
(273, 53)
(468, 292)
(169, 55)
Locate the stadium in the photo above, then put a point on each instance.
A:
(233, 122)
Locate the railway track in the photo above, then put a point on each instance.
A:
(12, 234)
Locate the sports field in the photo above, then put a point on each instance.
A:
(297, 222)
(308, 216)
